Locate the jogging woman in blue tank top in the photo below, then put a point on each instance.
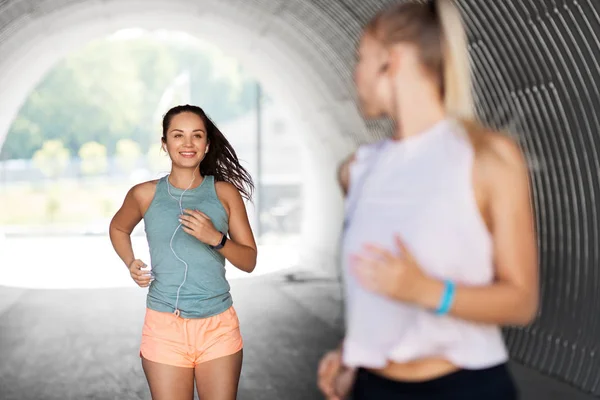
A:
(195, 219)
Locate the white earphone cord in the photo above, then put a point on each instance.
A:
(176, 311)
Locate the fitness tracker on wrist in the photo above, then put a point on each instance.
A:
(447, 298)
(221, 244)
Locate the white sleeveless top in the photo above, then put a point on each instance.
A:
(420, 188)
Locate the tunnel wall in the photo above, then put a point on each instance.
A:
(537, 73)
(536, 68)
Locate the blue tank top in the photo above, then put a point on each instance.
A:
(203, 291)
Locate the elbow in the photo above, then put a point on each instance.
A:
(252, 264)
(527, 312)
(524, 319)
(249, 267)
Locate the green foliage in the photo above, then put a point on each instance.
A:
(52, 159)
(93, 158)
(112, 89)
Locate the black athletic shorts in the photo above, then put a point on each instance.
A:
(493, 383)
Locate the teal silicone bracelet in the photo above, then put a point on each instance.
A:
(447, 298)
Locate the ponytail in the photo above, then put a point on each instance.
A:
(456, 69)
(436, 28)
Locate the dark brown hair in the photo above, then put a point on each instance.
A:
(221, 161)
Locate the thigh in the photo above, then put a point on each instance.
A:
(218, 379)
(168, 382)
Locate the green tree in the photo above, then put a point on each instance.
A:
(110, 90)
(93, 158)
(127, 153)
(52, 159)
(86, 97)
(24, 138)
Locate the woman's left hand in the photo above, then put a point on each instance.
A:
(199, 225)
(397, 276)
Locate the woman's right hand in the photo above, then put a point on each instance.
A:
(334, 379)
(142, 278)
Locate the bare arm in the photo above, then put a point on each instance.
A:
(513, 298)
(240, 249)
(127, 218)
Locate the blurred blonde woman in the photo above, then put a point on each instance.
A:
(439, 247)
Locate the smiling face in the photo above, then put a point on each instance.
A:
(186, 140)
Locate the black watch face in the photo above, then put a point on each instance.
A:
(220, 245)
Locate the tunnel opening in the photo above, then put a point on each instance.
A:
(289, 76)
(91, 130)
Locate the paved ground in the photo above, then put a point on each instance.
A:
(83, 343)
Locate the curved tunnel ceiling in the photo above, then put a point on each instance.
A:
(537, 68)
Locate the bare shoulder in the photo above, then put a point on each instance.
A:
(499, 162)
(134, 206)
(497, 150)
(229, 195)
(144, 190)
(143, 193)
(227, 190)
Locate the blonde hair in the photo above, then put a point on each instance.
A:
(436, 28)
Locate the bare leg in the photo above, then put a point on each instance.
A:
(168, 382)
(218, 379)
